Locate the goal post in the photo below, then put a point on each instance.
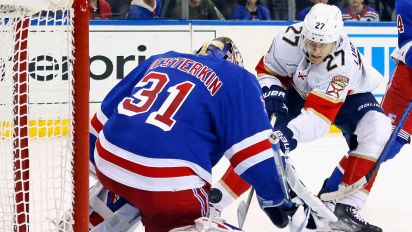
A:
(44, 115)
(81, 115)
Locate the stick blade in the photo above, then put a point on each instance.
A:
(344, 191)
(241, 213)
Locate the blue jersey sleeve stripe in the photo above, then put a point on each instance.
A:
(252, 161)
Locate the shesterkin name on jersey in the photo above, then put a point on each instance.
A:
(202, 72)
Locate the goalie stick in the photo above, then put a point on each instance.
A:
(244, 206)
(344, 191)
(306, 195)
(290, 179)
(280, 168)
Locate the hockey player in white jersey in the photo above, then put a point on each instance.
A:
(313, 76)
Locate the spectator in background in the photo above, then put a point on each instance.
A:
(385, 9)
(301, 15)
(198, 9)
(119, 8)
(226, 7)
(357, 11)
(251, 10)
(144, 9)
(100, 9)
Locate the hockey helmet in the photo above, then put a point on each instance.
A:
(323, 24)
(221, 48)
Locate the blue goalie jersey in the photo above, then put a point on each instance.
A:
(170, 120)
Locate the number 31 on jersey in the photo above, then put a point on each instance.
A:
(149, 89)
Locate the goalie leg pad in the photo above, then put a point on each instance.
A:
(121, 220)
(108, 212)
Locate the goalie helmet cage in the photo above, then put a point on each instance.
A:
(44, 115)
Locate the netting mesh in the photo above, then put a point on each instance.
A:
(36, 180)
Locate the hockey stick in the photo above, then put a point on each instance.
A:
(274, 140)
(280, 168)
(244, 208)
(290, 179)
(306, 195)
(344, 191)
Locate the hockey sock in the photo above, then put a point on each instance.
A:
(335, 179)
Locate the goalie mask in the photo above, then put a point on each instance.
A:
(221, 48)
(323, 24)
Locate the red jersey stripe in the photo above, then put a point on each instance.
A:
(154, 172)
(233, 181)
(323, 106)
(250, 151)
(96, 124)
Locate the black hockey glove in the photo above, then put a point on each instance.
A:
(276, 104)
(286, 141)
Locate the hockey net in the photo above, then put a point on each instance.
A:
(43, 115)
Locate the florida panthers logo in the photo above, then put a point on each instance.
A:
(337, 85)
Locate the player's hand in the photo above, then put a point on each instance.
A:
(286, 141)
(276, 103)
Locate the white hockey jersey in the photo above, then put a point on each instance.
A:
(324, 86)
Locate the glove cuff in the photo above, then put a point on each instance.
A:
(404, 137)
